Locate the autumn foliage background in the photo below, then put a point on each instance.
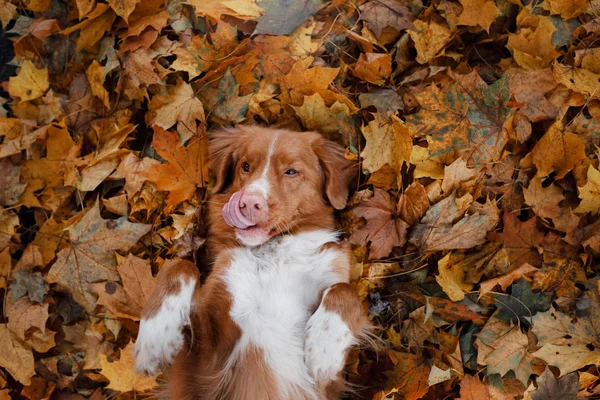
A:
(474, 225)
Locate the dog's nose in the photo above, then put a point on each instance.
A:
(253, 206)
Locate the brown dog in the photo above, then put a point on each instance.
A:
(276, 317)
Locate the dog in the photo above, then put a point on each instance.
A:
(276, 317)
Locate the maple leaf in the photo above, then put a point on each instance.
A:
(315, 115)
(464, 118)
(226, 103)
(566, 343)
(121, 373)
(281, 18)
(558, 151)
(89, 257)
(388, 142)
(430, 39)
(373, 67)
(410, 375)
(15, 356)
(383, 229)
(471, 388)
(438, 230)
(522, 239)
(452, 279)
(503, 348)
(590, 193)
(386, 13)
(138, 282)
(180, 105)
(505, 280)
(237, 8)
(24, 315)
(186, 168)
(30, 83)
(302, 82)
(566, 387)
(478, 13)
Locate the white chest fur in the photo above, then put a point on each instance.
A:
(274, 289)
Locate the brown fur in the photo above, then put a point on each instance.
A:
(199, 370)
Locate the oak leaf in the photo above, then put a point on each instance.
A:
(89, 257)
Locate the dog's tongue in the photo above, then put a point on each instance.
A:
(233, 215)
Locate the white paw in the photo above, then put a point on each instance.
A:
(160, 337)
(328, 339)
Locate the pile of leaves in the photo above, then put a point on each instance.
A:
(474, 225)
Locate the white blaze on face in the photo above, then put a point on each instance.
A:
(262, 184)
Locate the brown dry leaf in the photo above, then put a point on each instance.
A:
(24, 315)
(544, 200)
(300, 82)
(388, 142)
(531, 45)
(566, 8)
(590, 193)
(578, 79)
(179, 105)
(430, 39)
(96, 75)
(243, 9)
(30, 83)
(15, 356)
(455, 174)
(471, 388)
(413, 203)
(384, 14)
(506, 280)
(10, 186)
(409, 376)
(373, 67)
(121, 373)
(123, 8)
(558, 151)
(186, 168)
(138, 282)
(444, 227)
(478, 13)
(131, 167)
(521, 239)
(383, 229)
(89, 257)
(115, 299)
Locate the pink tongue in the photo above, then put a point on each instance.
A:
(233, 215)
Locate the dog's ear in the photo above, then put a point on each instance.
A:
(221, 150)
(339, 172)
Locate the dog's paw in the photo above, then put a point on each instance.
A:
(161, 337)
(327, 341)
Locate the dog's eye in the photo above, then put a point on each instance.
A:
(246, 167)
(291, 171)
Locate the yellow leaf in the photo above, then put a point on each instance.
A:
(30, 83)
(388, 142)
(452, 279)
(123, 8)
(478, 13)
(95, 74)
(243, 9)
(558, 151)
(590, 193)
(315, 115)
(430, 39)
(373, 67)
(533, 39)
(121, 374)
(567, 9)
(578, 79)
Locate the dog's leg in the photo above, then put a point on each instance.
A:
(338, 324)
(160, 336)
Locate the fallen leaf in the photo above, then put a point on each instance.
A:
(121, 373)
(383, 229)
(566, 387)
(373, 67)
(386, 13)
(15, 356)
(590, 193)
(186, 168)
(543, 199)
(430, 39)
(30, 83)
(280, 18)
(558, 151)
(89, 257)
(505, 281)
(138, 282)
(452, 279)
(388, 142)
(471, 388)
(478, 13)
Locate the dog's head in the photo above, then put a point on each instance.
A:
(274, 181)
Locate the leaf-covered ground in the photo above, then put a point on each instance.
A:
(474, 226)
